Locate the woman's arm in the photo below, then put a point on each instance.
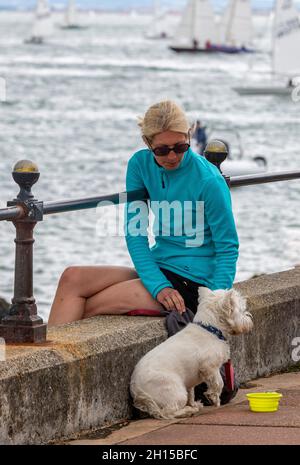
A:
(136, 225)
(219, 216)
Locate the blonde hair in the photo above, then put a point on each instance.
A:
(163, 116)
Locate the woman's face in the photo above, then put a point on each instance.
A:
(169, 138)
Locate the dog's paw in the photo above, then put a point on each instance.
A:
(199, 404)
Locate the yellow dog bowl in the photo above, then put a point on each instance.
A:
(264, 401)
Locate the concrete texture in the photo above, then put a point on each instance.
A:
(78, 381)
(274, 301)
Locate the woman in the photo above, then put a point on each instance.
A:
(166, 276)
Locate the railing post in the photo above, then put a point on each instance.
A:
(22, 323)
(216, 152)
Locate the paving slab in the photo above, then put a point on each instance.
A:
(233, 423)
(240, 415)
(181, 434)
(131, 430)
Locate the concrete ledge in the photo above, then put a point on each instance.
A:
(79, 380)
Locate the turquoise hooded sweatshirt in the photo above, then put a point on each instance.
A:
(206, 249)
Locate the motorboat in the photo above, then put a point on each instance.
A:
(237, 163)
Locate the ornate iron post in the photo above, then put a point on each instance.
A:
(21, 323)
(216, 152)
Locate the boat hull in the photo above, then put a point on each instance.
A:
(212, 49)
(242, 167)
(34, 41)
(73, 26)
(191, 50)
(263, 90)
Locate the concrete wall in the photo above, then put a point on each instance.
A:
(79, 379)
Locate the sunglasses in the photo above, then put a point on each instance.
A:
(164, 150)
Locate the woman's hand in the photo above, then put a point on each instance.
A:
(171, 299)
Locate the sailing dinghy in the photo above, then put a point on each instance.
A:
(71, 21)
(197, 29)
(285, 51)
(198, 32)
(43, 25)
(236, 27)
(159, 27)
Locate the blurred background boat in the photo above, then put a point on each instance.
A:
(159, 27)
(240, 162)
(199, 32)
(43, 25)
(71, 17)
(285, 53)
(236, 27)
(197, 28)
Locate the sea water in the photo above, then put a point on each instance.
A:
(72, 107)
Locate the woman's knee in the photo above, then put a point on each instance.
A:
(71, 277)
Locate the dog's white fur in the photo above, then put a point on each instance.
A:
(163, 381)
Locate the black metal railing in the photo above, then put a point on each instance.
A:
(21, 323)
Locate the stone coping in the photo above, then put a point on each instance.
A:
(78, 381)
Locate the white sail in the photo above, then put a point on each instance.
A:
(286, 39)
(236, 28)
(71, 14)
(197, 24)
(159, 27)
(43, 25)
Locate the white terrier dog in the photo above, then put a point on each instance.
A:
(163, 381)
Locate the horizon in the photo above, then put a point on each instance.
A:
(127, 5)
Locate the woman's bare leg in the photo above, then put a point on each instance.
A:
(120, 298)
(78, 283)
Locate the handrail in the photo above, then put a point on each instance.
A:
(62, 206)
(93, 202)
(11, 213)
(22, 323)
(251, 179)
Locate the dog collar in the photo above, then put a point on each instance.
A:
(211, 329)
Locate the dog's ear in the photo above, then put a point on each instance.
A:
(239, 320)
(203, 293)
(234, 300)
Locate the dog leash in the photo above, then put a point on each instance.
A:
(229, 371)
(143, 312)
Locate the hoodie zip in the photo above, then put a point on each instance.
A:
(163, 181)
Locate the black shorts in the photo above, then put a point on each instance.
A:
(187, 289)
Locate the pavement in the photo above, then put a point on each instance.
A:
(233, 423)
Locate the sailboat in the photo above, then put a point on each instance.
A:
(236, 27)
(158, 28)
(197, 31)
(43, 25)
(71, 17)
(285, 51)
